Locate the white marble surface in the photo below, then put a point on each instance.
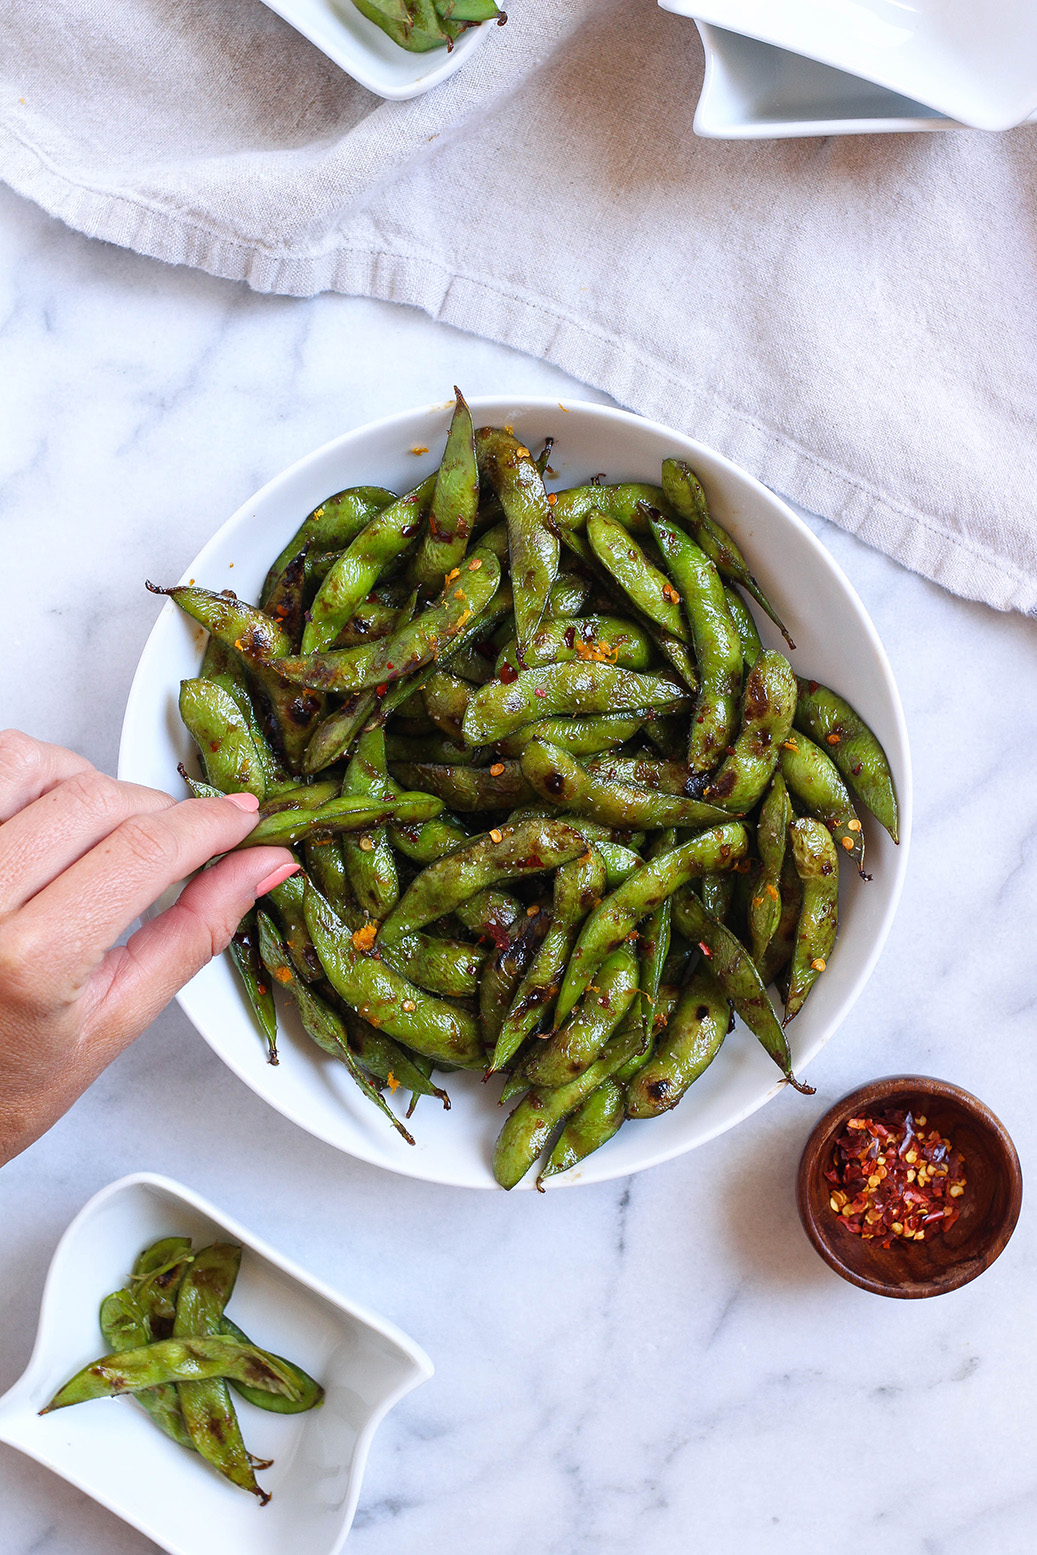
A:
(655, 1364)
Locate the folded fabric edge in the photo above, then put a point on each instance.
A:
(913, 538)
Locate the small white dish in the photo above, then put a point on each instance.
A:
(837, 642)
(754, 91)
(970, 62)
(111, 1450)
(368, 54)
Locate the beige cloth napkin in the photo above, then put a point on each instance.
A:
(852, 319)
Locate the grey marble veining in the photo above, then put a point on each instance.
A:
(649, 1365)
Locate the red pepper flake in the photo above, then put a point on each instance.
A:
(705, 950)
(540, 692)
(508, 673)
(892, 1177)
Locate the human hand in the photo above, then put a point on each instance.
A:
(81, 857)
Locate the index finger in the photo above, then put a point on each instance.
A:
(30, 768)
(72, 922)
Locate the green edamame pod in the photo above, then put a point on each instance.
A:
(213, 719)
(569, 594)
(653, 954)
(768, 703)
(621, 912)
(227, 670)
(448, 967)
(528, 1129)
(155, 1282)
(391, 1064)
(745, 626)
(381, 541)
(718, 649)
(779, 952)
(507, 853)
(310, 1393)
(595, 639)
(736, 973)
(559, 778)
(489, 914)
(577, 887)
(469, 789)
(351, 812)
(565, 690)
(208, 1412)
(455, 502)
(690, 1042)
(287, 901)
(771, 832)
(716, 892)
(814, 779)
(286, 600)
(125, 1327)
(651, 590)
(688, 501)
(244, 950)
(387, 1000)
(590, 1126)
(186, 1362)
(369, 858)
(577, 1043)
(446, 698)
(532, 540)
(326, 867)
(816, 859)
(622, 503)
(319, 1020)
(578, 736)
(832, 722)
(504, 970)
(331, 526)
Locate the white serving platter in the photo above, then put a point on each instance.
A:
(110, 1449)
(837, 643)
(366, 53)
(973, 63)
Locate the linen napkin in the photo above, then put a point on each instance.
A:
(852, 319)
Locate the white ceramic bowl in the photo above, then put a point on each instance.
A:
(366, 53)
(972, 62)
(837, 643)
(113, 1452)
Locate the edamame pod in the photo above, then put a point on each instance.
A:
(455, 502)
(814, 779)
(532, 538)
(577, 1043)
(817, 864)
(565, 690)
(229, 758)
(768, 703)
(183, 1361)
(771, 832)
(559, 778)
(590, 1126)
(651, 590)
(690, 1042)
(832, 722)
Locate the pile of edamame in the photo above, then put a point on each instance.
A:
(175, 1349)
(560, 814)
(421, 25)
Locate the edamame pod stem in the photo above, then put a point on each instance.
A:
(319, 1020)
(814, 779)
(768, 703)
(455, 502)
(538, 1114)
(594, 639)
(688, 500)
(229, 758)
(358, 569)
(816, 859)
(532, 539)
(690, 1042)
(182, 1361)
(718, 648)
(244, 950)
(590, 1126)
(208, 1412)
(559, 778)
(331, 526)
(736, 973)
(507, 853)
(565, 690)
(577, 1043)
(422, 640)
(125, 1327)
(350, 813)
(577, 886)
(771, 832)
(468, 788)
(387, 1000)
(651, 590)
(621, 912)
(832, 722)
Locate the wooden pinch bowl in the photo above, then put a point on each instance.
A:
(989, 1207)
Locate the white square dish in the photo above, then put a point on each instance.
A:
(974, 63)
(113, 1452)
(367, 54)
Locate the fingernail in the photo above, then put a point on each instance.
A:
(278, 877)
(243, 801)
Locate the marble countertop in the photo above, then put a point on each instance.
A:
(650, 1364)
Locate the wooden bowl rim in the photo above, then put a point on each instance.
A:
(881, 1091)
